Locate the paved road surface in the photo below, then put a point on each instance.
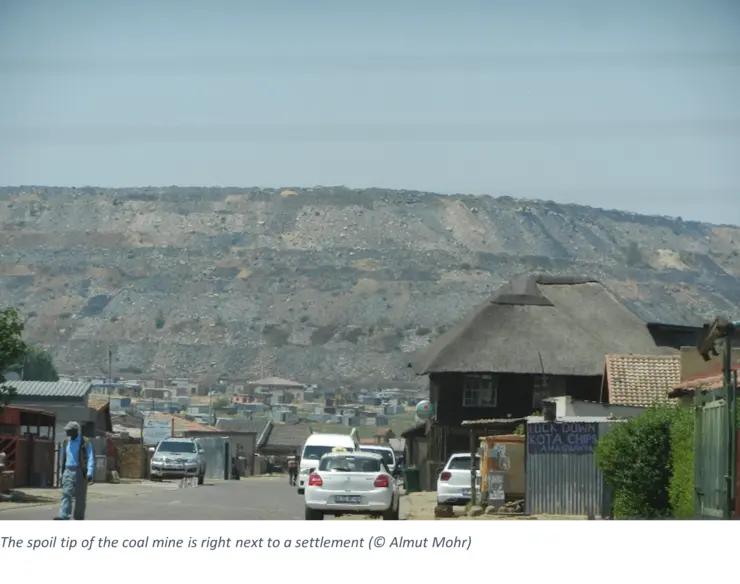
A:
(255, 498)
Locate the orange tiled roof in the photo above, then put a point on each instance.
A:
(641, 380)
(704, 383)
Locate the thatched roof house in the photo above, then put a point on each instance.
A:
(541, 324)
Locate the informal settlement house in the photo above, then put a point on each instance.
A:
(538, 337)
(67, 400)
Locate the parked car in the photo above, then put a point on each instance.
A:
(453, 483)
(177, 458)
(352, 483)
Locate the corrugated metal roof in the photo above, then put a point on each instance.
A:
(51, 388)
(288, 435)
(241, 425)
(493, 421)
(576, 419)
(641, 380)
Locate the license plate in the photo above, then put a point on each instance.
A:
(348, 499)
(466, 492)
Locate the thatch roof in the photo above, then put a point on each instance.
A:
(541, 324)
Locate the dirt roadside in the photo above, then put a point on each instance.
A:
(34, 497)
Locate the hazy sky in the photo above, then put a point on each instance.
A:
(632, 104)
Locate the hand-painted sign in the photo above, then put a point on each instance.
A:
(495, 482)
(561, 438)
(156, 430)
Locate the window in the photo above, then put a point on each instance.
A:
(462, 463)
(480, 391)
(177, 447)
(316, 452)
(387, 455)
(350, 464)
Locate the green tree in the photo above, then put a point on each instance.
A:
(221, 401)
(36, 365)
(12, 349)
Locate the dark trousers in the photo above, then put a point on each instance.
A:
(292, 475)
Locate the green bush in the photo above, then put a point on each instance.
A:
(649, 464)
(681, 489)
(635, 458)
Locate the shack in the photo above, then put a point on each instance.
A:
(27, 439)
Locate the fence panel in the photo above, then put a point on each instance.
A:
(711, 458)
(217, 451)
(561, 473)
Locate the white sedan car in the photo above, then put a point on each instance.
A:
(352, 483)
(453, 483)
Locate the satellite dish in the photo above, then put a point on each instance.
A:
(424, 410)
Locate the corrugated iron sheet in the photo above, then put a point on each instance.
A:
(51, 388)
(216, 453)
(566, 483)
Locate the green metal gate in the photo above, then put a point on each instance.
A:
(711, 482)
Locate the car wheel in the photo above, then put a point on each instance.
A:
(392, 514)
(301, 491)
(313, 515)
(202, 478)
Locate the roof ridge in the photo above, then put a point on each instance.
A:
(640, 356)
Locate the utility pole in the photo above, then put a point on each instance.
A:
(110, 364)
(261, 344)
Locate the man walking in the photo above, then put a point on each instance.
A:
(78, 466)
(293, 469)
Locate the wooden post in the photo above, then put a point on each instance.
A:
(472, 466)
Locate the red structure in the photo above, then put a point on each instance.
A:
(737, 480)
(27, 439)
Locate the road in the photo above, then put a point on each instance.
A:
(253, 498)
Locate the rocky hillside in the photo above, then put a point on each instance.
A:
(322, 285)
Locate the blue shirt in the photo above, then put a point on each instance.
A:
(73, 455)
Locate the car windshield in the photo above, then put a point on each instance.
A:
(180, 447)
(386, 454)
(462, 463)
(349, 464)
(316, 452)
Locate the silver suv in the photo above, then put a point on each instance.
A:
(177, 458)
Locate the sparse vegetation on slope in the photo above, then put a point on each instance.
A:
(324, 285)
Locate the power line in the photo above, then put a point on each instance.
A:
(310, 64)
(561, 130)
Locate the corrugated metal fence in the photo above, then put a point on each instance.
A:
(561, 473)
(218, 451)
